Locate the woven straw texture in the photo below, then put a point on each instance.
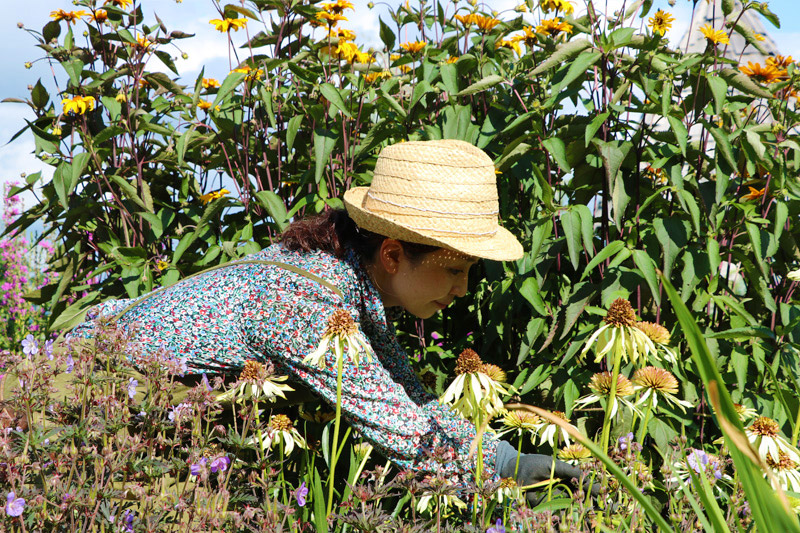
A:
(442, 193)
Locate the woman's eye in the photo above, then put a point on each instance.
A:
(455, 271)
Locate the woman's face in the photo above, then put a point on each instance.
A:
(423, 285)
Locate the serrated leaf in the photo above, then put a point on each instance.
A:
(723, 145)
(228, 85)
(681, 134)
(739, 80)
(291, 131)
(563, 53)
(610, 249)
(577, 67)
(39, 95)
(275, 207)
(486, 83)
(324, 142)
(719, 89)
(596, 123)
(386, 34)
(74, 68)
(571, 222)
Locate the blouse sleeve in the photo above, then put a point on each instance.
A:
(381, 397)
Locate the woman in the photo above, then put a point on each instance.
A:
(405, 243)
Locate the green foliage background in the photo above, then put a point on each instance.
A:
(598, 177)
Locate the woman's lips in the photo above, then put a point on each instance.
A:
(440, 304)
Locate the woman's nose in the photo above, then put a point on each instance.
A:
(460, 286)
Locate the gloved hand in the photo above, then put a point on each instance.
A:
(535, 468)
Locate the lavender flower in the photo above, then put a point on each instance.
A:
(220, 463)
(179, 412)
(132, 383)
(30, 346)
(48, 349)
(625, 441)
(14, 505)
(197, 467)
(301, 493)
(127, 521)
(497, 528)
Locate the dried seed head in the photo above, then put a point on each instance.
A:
(341, 323)
(765, 427)
(560, 414)
(281, 423)
(494, 372)
(657, 333)
(657, 379)
(601, 384)
(785, 462)
(620, 314)
(519, 419)
(574, 452)
(468, 362)
(253, 372)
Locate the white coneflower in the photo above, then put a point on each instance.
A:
(473, 393)
(620, 335)
(657, 382)
(660, 337)
(342, 335)
(256, 381)
(600, 384)
(786, 474)
(281, 430)
(508, 491)
(764, 434)
(549, 432)
(574, 454)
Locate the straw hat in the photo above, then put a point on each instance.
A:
(442, 193)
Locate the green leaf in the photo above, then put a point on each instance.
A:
(532, 293)
(324, 143)
(74, 68)
(690, 204)
(596, 123)
(719, 89)
(39, 95)
(562, 54)
(754, 140)
(781, 216)
(79, 163)
(647, 269)
(332, 95)
(587, 227)
(556, 147)
(727, 7)
(113, 107)
(183, 142)
(387, 35)
(241, 10)
(449, 74)
(291, 131)
(673, 237)
(754, 233)
(722, 144)
(61, 181)
(619, 200)
(228, 85)
(486, 83)
(739, 80)
(577, 67)
(167, 60)
(610, 249)
(275, 207)
(75, 313)
(422, 88)
(571, 222)
(681, 134)
(394, 104)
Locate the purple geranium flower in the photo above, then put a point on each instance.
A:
(497, 528)
(70, 363)
(127, 520)
(197, 467)
(48, 349)
(29, 345)
(132, 383)
(14, 505)
(204, 381)
(301, 493)
(220, 463)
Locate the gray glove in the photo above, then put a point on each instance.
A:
(534, 468)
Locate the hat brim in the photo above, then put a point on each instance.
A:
(502, 246)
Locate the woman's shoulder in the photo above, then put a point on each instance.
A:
(342, 273)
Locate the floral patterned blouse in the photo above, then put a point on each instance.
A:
(222, 318)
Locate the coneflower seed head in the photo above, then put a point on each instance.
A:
(280, 423)
(785, 462)
(601, 384)
(253, 372)
(468, 362)
(341, 323)
(765, 427)
(620, 313)
(494, 372)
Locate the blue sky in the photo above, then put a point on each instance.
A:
(209, 48)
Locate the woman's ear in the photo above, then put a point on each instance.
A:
(390, 255)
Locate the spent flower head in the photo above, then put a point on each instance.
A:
(474, 394)
(600, 384)
(619, 336)
(342, 335)
(281, 432)
(765, 434)
(657, 382)
(257, 381)
(574, 453)
(785, 472)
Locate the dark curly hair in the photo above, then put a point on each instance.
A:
(334, 231)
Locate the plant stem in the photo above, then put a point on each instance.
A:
(337, 421)
(613, 392)
(646, 419)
